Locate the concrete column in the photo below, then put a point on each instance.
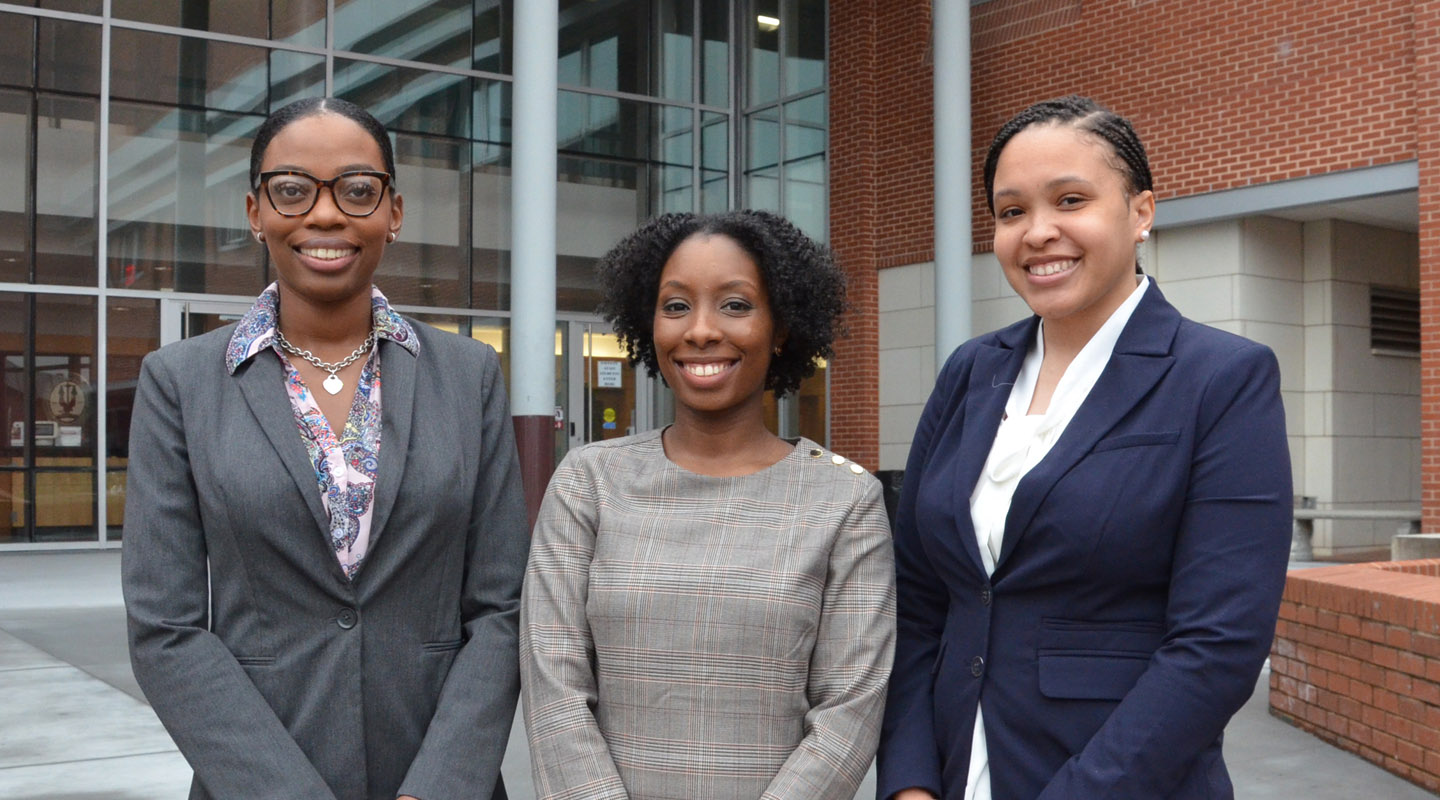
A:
(951, 43)
(532, 243)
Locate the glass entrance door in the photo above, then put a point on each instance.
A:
(182, 319)
(607, 398)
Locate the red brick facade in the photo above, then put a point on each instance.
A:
(1226, 94)
(1356, 661)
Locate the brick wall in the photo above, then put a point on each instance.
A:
(1427, 110)
(1225, 93)
(1356, 661)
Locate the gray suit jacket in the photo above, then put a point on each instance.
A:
(283, 679)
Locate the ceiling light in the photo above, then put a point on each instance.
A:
(767, 24)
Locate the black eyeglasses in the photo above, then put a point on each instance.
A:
(293, 193)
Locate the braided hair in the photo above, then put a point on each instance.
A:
(1089, 116)
(805, 287)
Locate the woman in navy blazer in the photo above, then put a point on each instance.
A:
(1128, 471)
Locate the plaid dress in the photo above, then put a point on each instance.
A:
(689, 636)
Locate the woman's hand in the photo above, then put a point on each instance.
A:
(913, 794)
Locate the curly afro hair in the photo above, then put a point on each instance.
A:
(806, 288)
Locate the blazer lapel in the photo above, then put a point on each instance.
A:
(262, 382)
(991, 378)
(397, 405)
(1140, 359)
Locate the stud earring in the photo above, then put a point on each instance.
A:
(259, 237)
(1144, 235)
(777, 352)
(390, 237)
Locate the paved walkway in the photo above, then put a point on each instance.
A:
(74, 726)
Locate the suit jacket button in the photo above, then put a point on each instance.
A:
(347, 618)
(977, 666)
(985, 596)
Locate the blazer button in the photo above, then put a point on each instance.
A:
(977, 666)
(985, 596)
(347, 618)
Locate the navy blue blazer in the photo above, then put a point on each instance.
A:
(1135, 595)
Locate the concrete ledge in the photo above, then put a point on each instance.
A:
(1412, 546)
(1356, 661)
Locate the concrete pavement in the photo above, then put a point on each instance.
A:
(74, 726)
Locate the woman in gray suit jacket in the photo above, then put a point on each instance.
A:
(709, 609)
(325, 532)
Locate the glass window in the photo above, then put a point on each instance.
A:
(132, 330)
(430, 31)
(429, 264)
(803, 29)
(494, 22)
(609, 126)
(677, 49)
(715, 55)
(490, 226)
(66, 181)
(50, 411)
(805, 168)
(714, 162)
(762, 175)
(410, 100)
(14, 391)
(676, 179)
(491, 121)
(69, 56)
(183, 70)
(607, 45)
(294, 76)
(178, 181)
(15, 127)
(599, 201)
(492, 331)
(764, 52)
(17, 50)
(296, 21)
(72, 6)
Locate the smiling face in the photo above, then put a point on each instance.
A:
(713, 328)
(324, 256)
(1066, 226)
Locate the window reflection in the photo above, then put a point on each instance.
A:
(14, 173)
(431, 31)
(764, 51)
(407, 99)
(65, 186)
(189, 71)
(47, 493)
(494, 20)
(177, 201)
(715, 55)
(296, 21)
(132, 330)
(490, 226)
(714, 162)
(428, 265)
(68, 57)
(17, 50)
(802, 27)
(601, 201)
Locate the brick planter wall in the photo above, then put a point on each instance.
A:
(1356, 661)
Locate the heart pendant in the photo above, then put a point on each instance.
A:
(333, 384)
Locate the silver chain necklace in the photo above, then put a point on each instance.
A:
(332, 384)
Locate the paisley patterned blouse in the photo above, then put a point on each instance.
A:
(344, 465)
